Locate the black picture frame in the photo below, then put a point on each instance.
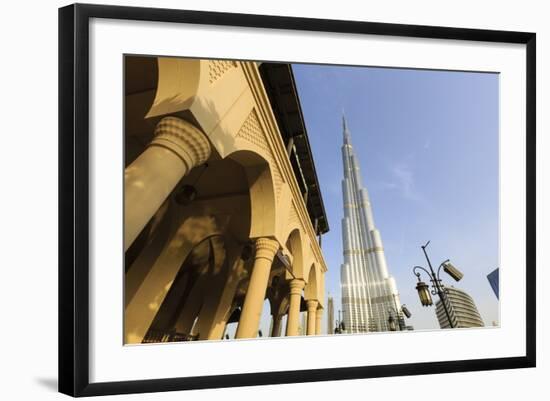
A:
(74, 198)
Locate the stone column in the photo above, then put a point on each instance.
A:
(293, 321)
(178, 146)
(255, 294)
(311, 316)
(276, 329)
(318, 318)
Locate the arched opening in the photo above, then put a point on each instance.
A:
(230, 328)
(284, 322)
(294, 245)
(261, 191)
(177, 317)
(266, 321)
(311, 290)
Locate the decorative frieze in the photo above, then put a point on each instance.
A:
(217, 69)
(251, 131)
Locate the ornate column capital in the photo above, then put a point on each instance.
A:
(266, 248)
(296, 286)
(184, 139)
(312, 305)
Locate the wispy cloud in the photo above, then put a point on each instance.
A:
(403, 181)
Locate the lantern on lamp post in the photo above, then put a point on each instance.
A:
(406, 311)
(423, 292)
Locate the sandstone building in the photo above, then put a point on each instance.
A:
(222, 206)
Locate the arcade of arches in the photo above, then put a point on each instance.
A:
(216, 219)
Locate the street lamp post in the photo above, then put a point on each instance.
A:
(340, 327)
(399, 319)
(391, 323)
(437, 287)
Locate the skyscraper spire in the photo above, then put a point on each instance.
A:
(369, 293)
(345, 129)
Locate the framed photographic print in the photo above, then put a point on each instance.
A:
(250, 199)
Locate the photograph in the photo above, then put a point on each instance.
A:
(275, 201)
(265, 200)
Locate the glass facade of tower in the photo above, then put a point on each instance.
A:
(369, 293)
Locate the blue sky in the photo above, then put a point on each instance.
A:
(427, 142)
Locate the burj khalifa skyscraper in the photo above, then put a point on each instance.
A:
(369, 293)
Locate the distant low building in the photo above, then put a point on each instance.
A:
(330, 315)
(493, 278)
(462, 310)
